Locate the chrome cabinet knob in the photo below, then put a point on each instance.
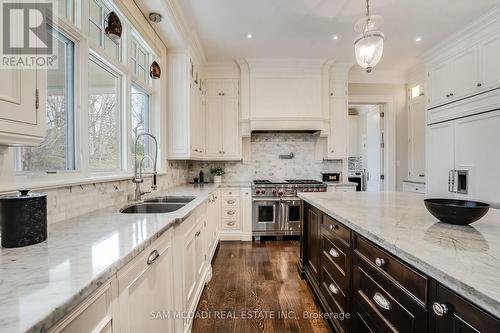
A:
(440, 309)
(331, 227)
(380, 262)
(333, 253)
(333, 289)
(479, 84)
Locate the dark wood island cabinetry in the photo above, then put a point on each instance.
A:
(365, 288)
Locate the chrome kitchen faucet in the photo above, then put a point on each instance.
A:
(137, 180)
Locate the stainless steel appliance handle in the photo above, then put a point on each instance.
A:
(266, 199)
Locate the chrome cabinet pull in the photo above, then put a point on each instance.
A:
(380, 262)
(382, 301)
(231, 202)
(152, 257)
(231, 223)
(331, 227)
(333, 253)
(231, 212)
(440, 309)
(197, 234)
(333, 289)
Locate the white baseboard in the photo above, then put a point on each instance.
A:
(235, 236)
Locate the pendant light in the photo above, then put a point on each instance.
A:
(369, 45)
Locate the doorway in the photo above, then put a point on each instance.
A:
(366, 145)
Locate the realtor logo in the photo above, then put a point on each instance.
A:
(26, 40)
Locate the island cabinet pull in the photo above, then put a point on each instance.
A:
(382, 301)
(333, 289)
(334, 253)
(380, 262)
(153, 256)
(440, 309)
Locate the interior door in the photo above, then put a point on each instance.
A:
(373, 150)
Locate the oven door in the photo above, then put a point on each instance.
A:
(292, 215)
(266, 215)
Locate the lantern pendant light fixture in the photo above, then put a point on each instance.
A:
(369, 45)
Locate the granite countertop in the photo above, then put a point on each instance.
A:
(42, 283)
(466, 259)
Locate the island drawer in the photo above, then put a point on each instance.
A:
(337, 229)
(335, 258)
(414, 282)
(337, 298)
(389, 307)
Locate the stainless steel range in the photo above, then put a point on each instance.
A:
(277, 211)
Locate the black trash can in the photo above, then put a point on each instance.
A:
(23, 218)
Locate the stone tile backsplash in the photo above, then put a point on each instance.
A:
(68, 202)
(266, 164)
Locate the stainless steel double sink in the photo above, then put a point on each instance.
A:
(159, 205)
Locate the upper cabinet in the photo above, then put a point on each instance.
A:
(222, 135)
(464, 73)
(22, 101)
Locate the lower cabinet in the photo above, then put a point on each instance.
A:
(367, 289)
(236, 214)
(145, 289)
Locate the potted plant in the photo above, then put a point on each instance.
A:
(217, 172)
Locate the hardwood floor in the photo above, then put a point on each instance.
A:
(256, 288)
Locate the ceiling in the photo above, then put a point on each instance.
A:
(305, 28)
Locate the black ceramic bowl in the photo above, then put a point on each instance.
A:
(453, 211)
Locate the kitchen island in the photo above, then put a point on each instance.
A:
(386, 260)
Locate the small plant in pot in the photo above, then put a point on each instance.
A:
(217, 172)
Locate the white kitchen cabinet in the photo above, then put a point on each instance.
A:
(22, 105)
(341, 188)
(145, 286)
(339, 129)
(212, 224)
(413, 187)
(467, 144)
(236, 214)
(92, 315)
(197, 118)
(489, 66)
(222, 134)
(464, 72)
(416, 139)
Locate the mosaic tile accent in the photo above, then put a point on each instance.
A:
(266, 164)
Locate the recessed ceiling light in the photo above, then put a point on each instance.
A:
(249, 36)
(418, 39)
(335, 37)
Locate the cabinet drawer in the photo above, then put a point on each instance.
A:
(345, 189)
(414, 282)
(335, 296)
(232, 213)
(414, 188)
(337, 229)
(230, 224)
(335, 260)
(390, 309)
(231, 202)
(234, 192)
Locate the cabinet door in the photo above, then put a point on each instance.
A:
(230, 87)
(339, 128)
(193, 261)
(313, 240)
(213, 135)
(230, 128)
(489, 64)
(465, 73)
(21, 122)
(200, 250)
(440, 158)
(476, 139)
(461, 316)
(146, 287)
(416, 139)
(200, 125)
(213, 87)
(439, 84)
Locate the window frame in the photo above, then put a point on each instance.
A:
(95, 57)
(135, 85)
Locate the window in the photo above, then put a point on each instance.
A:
(104, 118)
(98, 14)
(140, 122)
(139, 61)
(57, 151)
(415, 91)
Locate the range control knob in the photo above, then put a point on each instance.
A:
(263, 191)
(280, 193)
(257, 191)
(274, 191)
